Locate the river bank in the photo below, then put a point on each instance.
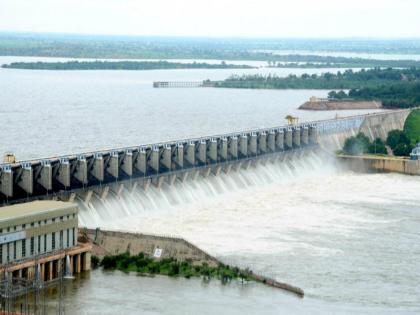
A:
(385, 164)
(115, 246)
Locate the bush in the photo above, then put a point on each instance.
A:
(95, 261)
(403, 149)
(396, 137)
(356, 145)
(377, 147)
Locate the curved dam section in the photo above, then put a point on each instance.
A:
(80, 176)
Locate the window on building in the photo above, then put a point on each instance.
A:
(45, 221)
(23, 226)
(1, 254)
(14, 250)
(53, 241)
(1, 230)
(39, 244)
(61, 218)
(15, 227)
(68, 237)
(39, 223)
(74, 237)
(53, 220)
(45, 242)
(32, 224)
(23, 248)
(8, 229)
(61, 239)
(32, 245)
(8, 252)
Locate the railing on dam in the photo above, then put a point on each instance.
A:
(65, 173)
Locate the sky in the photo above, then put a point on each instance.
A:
(215, 18)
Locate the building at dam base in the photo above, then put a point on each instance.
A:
(38, 239)
(83, 175)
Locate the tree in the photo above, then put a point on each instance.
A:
(357, 145)
(402, 149)
(396, 137)
(377, 147)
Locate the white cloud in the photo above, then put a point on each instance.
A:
(268, 18)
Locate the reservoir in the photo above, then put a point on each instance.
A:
(350, 241)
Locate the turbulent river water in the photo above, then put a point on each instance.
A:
(351, 241)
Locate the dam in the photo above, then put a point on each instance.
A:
(80, 176)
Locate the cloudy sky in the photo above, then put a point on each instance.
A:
(250, 18)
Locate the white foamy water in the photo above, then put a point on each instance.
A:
(349, 240)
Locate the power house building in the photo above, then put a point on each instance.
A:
(45, 230)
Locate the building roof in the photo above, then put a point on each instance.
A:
(34, 208)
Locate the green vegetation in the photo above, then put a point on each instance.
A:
(397, 95)
(342, 80)
(171, 267)
(399, 143)
(119, 65)
(123, 47)
(393, 87)
(397, 140)
(361, 144)
(412, 126)
(316, 61)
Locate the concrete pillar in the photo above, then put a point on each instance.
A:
(271, 140)
(6, 180)
(141, 162)
(280, 139)
(78, 263)
(212, 153)
(227, 168)
(63, 174)
(50, 270)
(233, 147)
(179, 155)
(243, 145)
(127, 163)
(313, 135)
(202, 151)
(166, 159)
(223, 148)
(190, 153)
(158, 181)
(42, 271)
(206, 172)
(304, 135)
(262, 142)
(171, 179)
(26, 181)
(113, 164)
(98, 167)
(154, 159)
(216, 170)
(296, 137)
(289, 138)
(86, 259)
(45, 175)
(81, 170)
(252, 145)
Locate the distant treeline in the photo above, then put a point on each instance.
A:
(315, 61)
(348, 79)
(398, 95)
(126, 47)
(119, 65)
(394, 87)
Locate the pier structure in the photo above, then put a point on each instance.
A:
(101, 172)
(181, 84)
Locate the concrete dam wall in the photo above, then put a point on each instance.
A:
(81, 176)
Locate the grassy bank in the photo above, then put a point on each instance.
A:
(119, 65)
(412, 126)
(143, 264)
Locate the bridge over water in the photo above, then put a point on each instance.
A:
(101, 172)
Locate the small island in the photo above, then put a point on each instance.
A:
(120, 65)
(316, 103)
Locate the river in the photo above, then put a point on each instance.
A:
(351, 241)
